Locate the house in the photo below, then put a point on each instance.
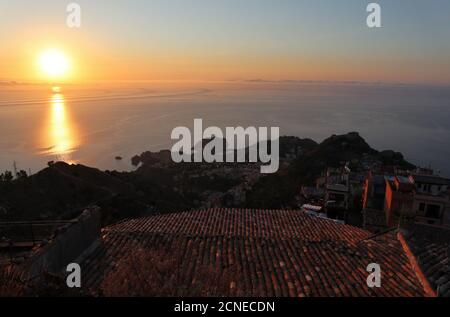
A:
(392, 200)
(374, 191)
(430, 247)
(432, 199)
(337, 192)
(276, 253)
(239, 252)
(338, 195)
(399, 199)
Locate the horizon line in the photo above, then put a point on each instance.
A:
(18, 82)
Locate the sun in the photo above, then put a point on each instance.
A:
(54, 64)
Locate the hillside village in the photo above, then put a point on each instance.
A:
(384, 203)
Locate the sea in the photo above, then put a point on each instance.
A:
(105, 124)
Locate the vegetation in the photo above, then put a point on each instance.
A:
(6, 177)
(62, 191)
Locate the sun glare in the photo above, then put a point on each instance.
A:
(54, 64)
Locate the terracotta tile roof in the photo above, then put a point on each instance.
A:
(276, 253)
(243, 223)
(431, 248)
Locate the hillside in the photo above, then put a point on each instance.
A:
(61, 191)
(279, 190)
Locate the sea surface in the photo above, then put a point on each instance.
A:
(94, 124)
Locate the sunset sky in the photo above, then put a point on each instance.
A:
(230, 39)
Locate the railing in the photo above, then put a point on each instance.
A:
(27, 233)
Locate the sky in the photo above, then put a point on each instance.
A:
(231, 40)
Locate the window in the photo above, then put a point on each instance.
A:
(433, 211)
(422, 207)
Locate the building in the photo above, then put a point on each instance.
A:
(338, 195)
(391, 200)
(374, 191)
(432, 199)
(430, 248)
(237, 252)
(399, 199)
(337, 192)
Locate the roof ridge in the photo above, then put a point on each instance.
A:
(429, 291)
(379, 234)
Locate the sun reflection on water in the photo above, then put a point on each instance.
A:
(60, 136)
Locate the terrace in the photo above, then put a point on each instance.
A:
(19, 238)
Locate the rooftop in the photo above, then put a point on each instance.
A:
(400, 184)
(429, 179)
(431, 246)
(271, 253)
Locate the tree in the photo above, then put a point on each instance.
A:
(6, 177)
(21, 174)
